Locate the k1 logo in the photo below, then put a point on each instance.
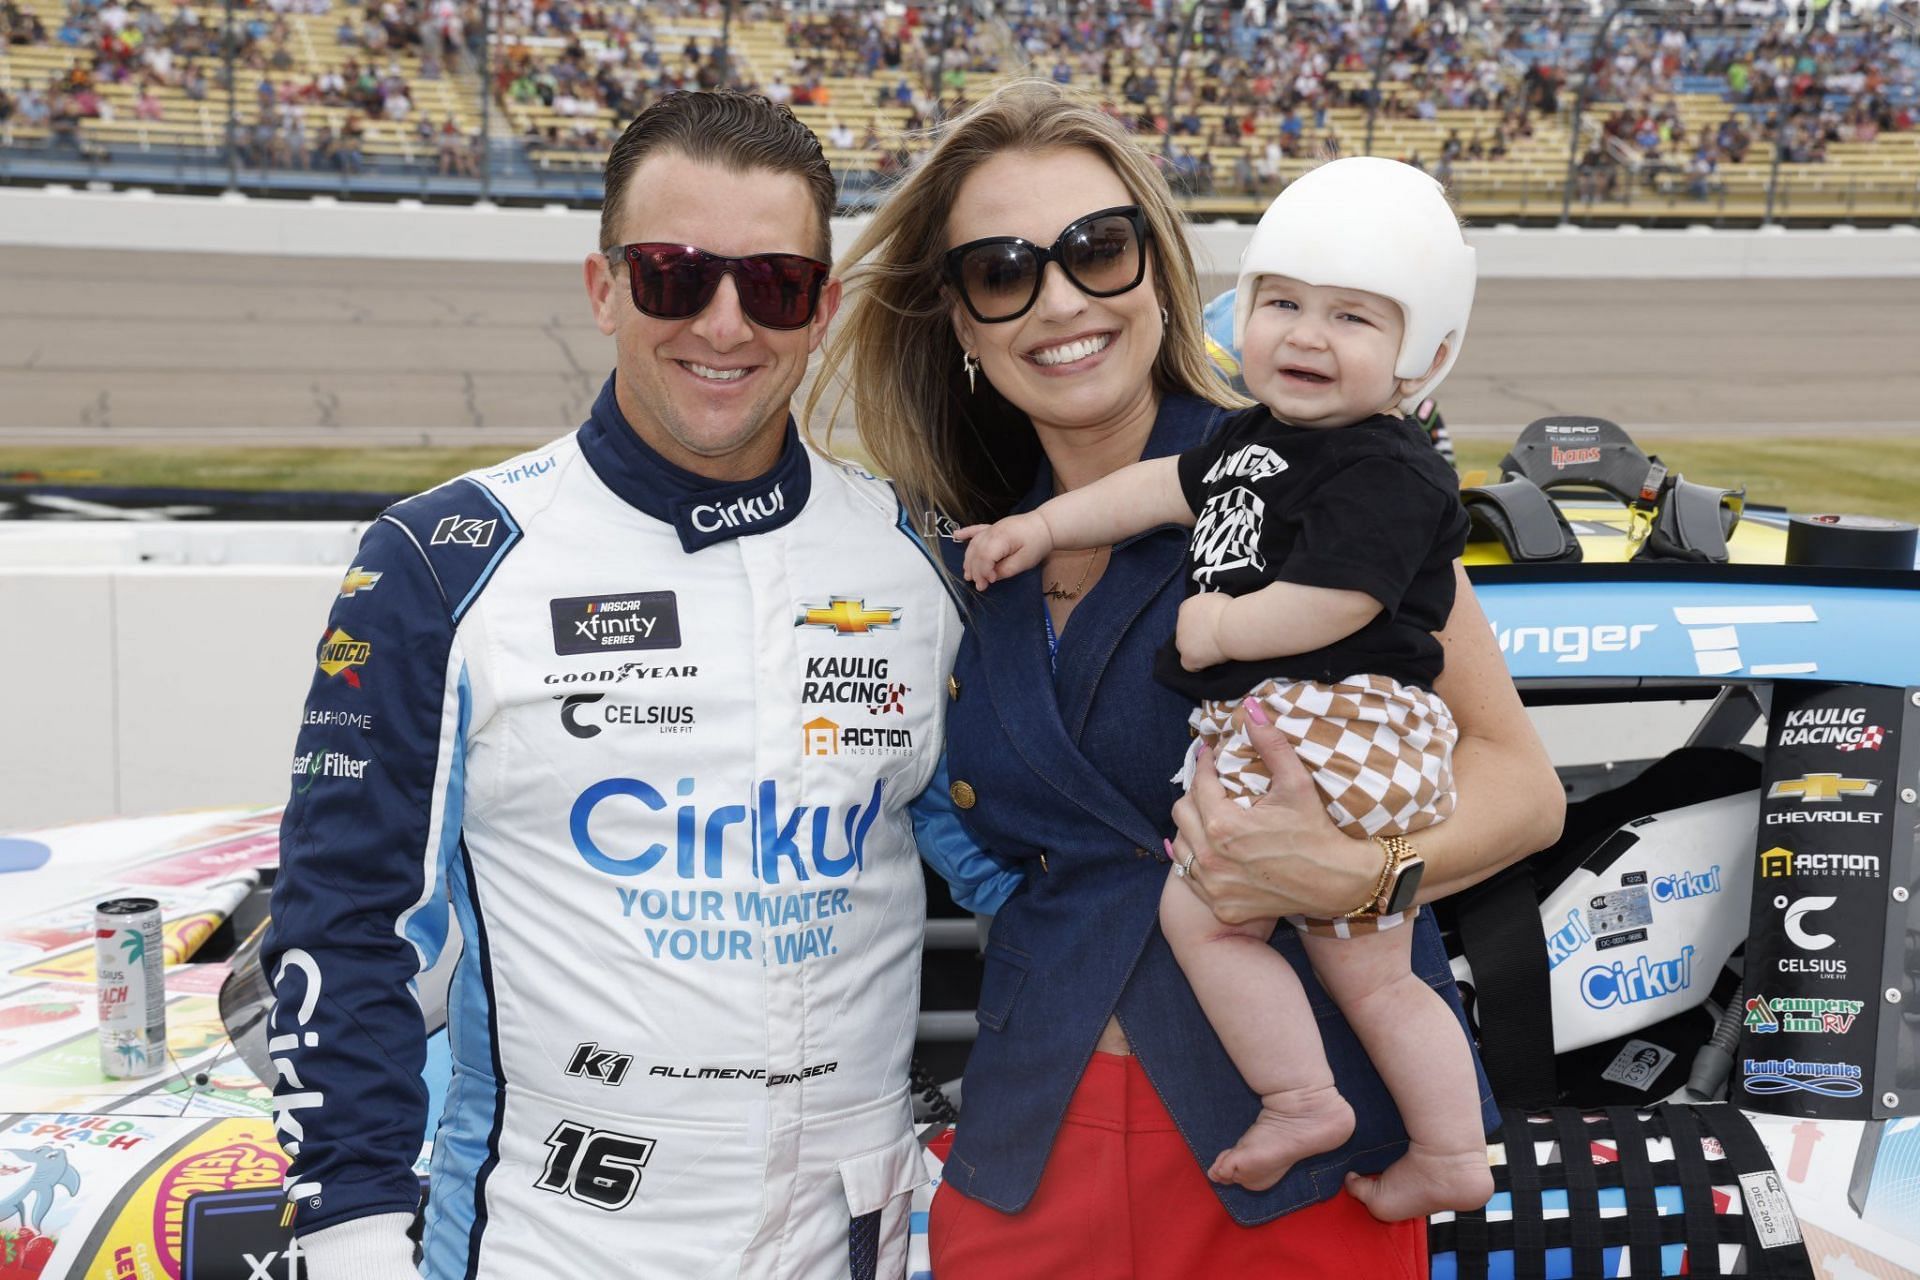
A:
(594, 1166)
(591, 1062)
(465, 530)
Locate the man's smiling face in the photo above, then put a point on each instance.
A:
(710, 392)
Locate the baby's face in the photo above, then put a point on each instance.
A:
(1320, 356)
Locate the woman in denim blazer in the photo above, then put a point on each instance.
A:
(1097, 1091)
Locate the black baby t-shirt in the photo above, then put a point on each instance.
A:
(1370, 507)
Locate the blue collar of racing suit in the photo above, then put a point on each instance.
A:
(701, 510)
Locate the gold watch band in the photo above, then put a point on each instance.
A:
(1391, 847)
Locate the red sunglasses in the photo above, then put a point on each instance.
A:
(677, 281)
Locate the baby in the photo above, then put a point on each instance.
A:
(1325, 527)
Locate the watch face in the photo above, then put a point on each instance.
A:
(1405, 886)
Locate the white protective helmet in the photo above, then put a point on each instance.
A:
(1378, 225)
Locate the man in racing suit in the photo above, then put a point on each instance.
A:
(651, 715)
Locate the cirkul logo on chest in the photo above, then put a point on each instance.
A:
(711, 516)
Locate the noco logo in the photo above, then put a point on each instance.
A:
(848, 616)
(340, 653)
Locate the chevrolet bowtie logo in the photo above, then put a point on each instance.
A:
(358, 579)
(848, 616)
(1819, 788)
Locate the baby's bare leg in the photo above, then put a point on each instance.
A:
(1417, 1047)
(1253, 998)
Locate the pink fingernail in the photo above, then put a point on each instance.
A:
(1255, 712)
(1169, 845)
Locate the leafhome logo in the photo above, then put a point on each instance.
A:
(361, 720)
(742, 512)
(597, 624)
(820, 737)
(466, 530)
(1564, 458)
(591, 1062)
(340, 653)
(1802, 1015)
(358, 580)
(848, 616)
(1779, 862)
(1845, 728)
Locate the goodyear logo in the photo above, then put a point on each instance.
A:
(340, 653)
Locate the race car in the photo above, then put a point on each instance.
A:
(1729, 916)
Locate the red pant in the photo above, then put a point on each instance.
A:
(1123, 1199)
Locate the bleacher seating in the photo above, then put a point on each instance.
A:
(1226, 171)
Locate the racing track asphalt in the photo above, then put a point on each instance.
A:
(102, 346)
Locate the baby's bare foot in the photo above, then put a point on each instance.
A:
(1424, 1182)
(1292, 1124)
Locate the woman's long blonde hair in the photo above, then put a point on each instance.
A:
(949, 450)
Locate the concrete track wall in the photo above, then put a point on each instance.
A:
(58, 217)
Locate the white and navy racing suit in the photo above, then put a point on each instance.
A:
(660, 747)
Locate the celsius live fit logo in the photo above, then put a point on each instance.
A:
(340, 653)
(617, 623)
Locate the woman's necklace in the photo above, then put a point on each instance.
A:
(1054, 591)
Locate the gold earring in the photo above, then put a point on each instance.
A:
(972, 367)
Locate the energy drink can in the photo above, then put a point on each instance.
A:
(133, 992)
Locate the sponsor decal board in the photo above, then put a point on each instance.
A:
(1818, 915)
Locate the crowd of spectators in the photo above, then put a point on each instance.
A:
(1257, 83)
(138, 45)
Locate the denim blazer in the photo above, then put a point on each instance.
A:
(1069, 778)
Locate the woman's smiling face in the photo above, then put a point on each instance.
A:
(1072, 360)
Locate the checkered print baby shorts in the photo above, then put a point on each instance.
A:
(1380, 752)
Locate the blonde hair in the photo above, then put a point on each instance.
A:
(949, 450)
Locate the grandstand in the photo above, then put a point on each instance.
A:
(1675, 103)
